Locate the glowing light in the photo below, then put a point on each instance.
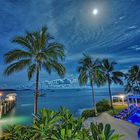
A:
(122, 96)
(1, 94)
(11, 98)
(95, 11)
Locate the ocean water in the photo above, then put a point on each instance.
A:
(76, 100)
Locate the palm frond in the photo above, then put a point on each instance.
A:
(133, 79)
(118, 74)
(109, 66)
(59, 68)
(83, 77)
(17, 66)
(99, 78)
(23, 41)
(31, 70)
(16, 55)
(47, 66)
(106, 63)
(55, 50)
(117, 77)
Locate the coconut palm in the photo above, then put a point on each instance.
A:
(133, 79)
(111, 75)
(89, 70)
(36, 52)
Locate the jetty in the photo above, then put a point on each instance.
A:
(7, 104)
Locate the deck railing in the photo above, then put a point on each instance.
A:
(7, 105)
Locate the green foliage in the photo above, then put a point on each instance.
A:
(90, 72)
(117, 109)
(111, 76)
(88, 113)
(103, 105)
(133, 79)
(101, 132)
(51, 125)
(16, 132)
(35, 53)
(45, 123)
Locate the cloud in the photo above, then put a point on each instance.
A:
(129, 60)
(115, 35)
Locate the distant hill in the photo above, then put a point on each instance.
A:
(14, 89)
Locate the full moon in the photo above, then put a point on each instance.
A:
(95, 11)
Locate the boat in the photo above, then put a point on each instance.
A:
(41, 94)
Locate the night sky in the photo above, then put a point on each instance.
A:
(113, 33)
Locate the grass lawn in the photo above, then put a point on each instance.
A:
(117, 109)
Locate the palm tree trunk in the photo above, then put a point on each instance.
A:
(93, 98)
(110, 95)
(36, 90)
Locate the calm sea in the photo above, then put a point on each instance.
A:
(74, 99)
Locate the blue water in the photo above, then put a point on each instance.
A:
(74, 99)
(135, 118)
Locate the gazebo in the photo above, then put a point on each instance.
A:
(134, 99)
(130, 98)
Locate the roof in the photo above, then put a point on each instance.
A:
(11, 94)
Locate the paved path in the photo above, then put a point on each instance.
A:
(122, 127)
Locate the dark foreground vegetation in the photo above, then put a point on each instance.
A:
(101, 106)
(61, 125)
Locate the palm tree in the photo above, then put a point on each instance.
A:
(89, 71)
(111, 75)
(36, 52)
(133, 79)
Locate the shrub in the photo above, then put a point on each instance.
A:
(103, 105)
(88, 113)
(51, 125)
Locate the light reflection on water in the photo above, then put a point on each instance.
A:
(12, 119)
(73, 99)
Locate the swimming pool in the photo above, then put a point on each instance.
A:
(135, 118)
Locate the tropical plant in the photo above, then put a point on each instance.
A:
(89, 70)
(69, 127)
(45, 123)
(103, 105)
(65, 116)
(101, 132)
(37, 52)
(16, 132)
(69, 131)
(133, 79)
(61, 125)
(111, 75)
(88, 113)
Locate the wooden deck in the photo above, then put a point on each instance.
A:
(7, 104)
